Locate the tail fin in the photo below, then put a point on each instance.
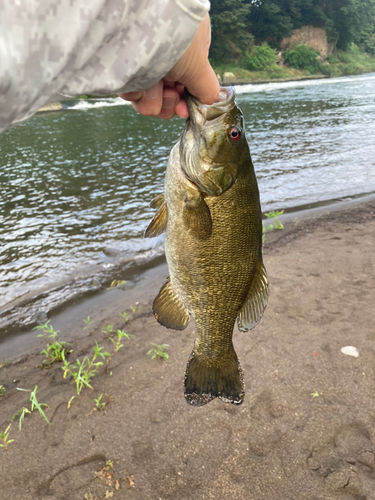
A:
(206, 379)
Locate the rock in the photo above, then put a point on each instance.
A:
(111, 252)
(349, 350)
(40, 317)
(219, 78)
(95, 283)
(128, 285)
(229, 78)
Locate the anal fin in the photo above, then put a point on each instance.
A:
(159, 222)
(169, 310)
(252, 310)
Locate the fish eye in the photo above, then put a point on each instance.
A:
(234, 134)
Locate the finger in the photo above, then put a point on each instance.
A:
(170, 100)
(132, 96)
(181, 109)
(206, 86)
(151, 102)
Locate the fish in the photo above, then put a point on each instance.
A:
(211, 215)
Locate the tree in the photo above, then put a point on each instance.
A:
(230, 29)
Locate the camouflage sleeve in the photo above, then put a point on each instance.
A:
(55, 48)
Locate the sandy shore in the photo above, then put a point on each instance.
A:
(280, 444)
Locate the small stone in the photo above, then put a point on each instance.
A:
(128, 285)
(39, 317)
(349, 350)
(95, 282)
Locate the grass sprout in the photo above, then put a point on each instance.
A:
(32, 406)
(84, 371)
(88, 322)
(277, 224)
(4, 436)
(55, 348)
(158, 351)
(99, 405)
(117, 346)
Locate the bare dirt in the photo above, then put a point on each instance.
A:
(282, 443)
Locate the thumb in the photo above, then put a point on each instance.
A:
(204, 86)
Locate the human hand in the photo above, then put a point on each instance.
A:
(193, 71)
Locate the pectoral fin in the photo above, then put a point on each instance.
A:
(196, 216)
(256, 301)
(169, 310)
(157, 201)
(159, 222)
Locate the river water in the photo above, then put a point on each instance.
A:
(75, 185)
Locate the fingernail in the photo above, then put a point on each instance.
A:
(152, 92)
(169, 102)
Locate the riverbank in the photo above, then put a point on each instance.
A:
(342, 63)
(305, 430)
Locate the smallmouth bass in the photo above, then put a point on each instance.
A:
(211, 215)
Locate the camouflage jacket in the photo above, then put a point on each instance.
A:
(55, 48)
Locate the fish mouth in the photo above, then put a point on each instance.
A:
(203, 113)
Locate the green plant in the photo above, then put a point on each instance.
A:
(117, 346)
(277, 224)
(158, 351)
(303, 57)
(127, 317)
(84, 371)
(116, 283)
(2, 390)
(32, 406)
(4, 437)
(55, 348)
(99, 405)
(260, 58)
(88, 323)
(315, 394)
(108, 330)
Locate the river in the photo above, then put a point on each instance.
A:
(76, 185)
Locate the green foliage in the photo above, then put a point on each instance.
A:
(32, 406)
(4, 437)
(303, 57)
(117, 346)
(236, 23)
(88, 322)
(84, 371)
(277, 224)
(230, 34)
(99, 405)
(260, 58)
(158, 351)
(2, 390)
(55, 348)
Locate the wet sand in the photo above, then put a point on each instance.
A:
(281, 443)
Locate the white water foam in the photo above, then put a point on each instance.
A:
(249, 88)
(84, 104)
